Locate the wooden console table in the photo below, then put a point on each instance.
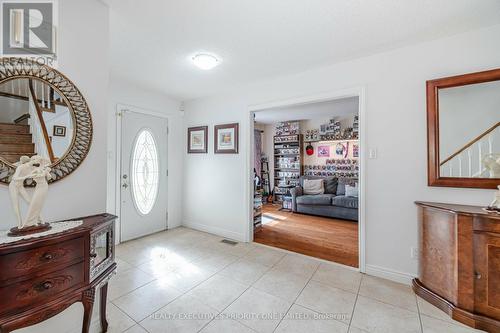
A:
(459, 263)
(40, 277)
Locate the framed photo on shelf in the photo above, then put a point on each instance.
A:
(226, 139)
(198, 140)
(59, 131)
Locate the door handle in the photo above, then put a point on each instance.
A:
(125, 185)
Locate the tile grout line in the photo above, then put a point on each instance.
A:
(156, 279)
(298, 295)
(269, 268)
(249, 286)
(419, 316)
(355, 302)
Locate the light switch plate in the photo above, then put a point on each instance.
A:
(372, 153)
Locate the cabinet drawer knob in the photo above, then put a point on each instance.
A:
(47, 285)
(44, 286)
(47, 256)
(93, 255)
(478, 276)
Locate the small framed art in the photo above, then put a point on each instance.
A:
(226, 139)
(324, 151)
(59, 130)
(198, 140)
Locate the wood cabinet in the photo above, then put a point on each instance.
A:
(459, 263)
(42, 276)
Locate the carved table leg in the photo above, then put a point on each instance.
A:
(88, 304)
(104, 296)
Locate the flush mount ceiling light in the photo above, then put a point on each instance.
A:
(205, 61)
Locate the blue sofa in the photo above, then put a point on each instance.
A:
(334, 203)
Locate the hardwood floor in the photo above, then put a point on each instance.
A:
(330, 239)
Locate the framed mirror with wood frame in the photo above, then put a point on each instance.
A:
(463, 130)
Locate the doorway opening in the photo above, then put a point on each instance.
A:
(307, 182)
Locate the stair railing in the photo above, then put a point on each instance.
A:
(470, 156)
(38, 117)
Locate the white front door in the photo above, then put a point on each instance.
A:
(143, 174)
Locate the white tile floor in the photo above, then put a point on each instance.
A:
(184, 280)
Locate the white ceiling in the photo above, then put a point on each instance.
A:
(321, 110)
(152, 40)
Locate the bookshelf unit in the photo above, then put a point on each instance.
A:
(288, 164)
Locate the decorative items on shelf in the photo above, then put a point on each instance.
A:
(287, 164)
(288, 128)
(355, 127)
(257, 209)
(286, 150)
(312, 135)
(334, 167)
(285, 139)
(333, 131)
(288, 174)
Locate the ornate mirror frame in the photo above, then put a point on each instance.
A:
(12, 68)
(433, 160)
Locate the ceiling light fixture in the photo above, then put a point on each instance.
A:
(205, 61)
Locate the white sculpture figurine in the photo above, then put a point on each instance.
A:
(492, 163)
(36, 168)
(495, 205)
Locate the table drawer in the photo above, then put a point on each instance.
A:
(25, 262)
(41, 289)
(486, 224)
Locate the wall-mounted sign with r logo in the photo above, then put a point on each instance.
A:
(28, 28)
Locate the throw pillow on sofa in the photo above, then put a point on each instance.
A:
(331, 185)
(351, 191)
(313, 186)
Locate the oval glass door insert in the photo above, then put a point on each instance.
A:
(145, 173)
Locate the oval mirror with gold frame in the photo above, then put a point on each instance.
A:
(41, 113)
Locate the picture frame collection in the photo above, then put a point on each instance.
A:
(226, 139)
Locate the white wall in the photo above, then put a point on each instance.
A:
(126, 93)
(83, 57)
(215, 189)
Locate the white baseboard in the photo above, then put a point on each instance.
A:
(389, 274)
(216, 231)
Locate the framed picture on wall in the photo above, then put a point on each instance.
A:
(324, 151)
(355, 150)
(198, 140)
(226, 139)
(59, 130)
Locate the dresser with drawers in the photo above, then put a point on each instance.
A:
(42, 276)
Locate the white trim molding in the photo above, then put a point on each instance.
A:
(215, 231)
(389, 274)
